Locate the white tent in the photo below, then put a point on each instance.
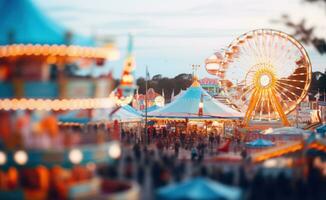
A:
(123, 114)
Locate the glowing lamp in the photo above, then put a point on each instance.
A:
(3, 158)
(114, 150)
(271, 163)
(159, 101)
(21, 157)
(75, 156)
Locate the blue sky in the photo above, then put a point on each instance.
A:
(170, 35)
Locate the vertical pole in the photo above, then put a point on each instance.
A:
(296, 116)
(146, 135)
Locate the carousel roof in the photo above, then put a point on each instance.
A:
(260, 143)
(187, 106)
(124, 114)
(24, 23)
(25, 30)
(131, 109)
(198, 188)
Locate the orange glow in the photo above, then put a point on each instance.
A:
(277, 152)
(108, 52)
(56, 104)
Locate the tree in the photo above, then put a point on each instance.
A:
(306, 34)
(160, 83)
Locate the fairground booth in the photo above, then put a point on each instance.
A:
(38, 63)
(196, 110)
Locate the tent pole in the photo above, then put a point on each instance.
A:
(146, 135)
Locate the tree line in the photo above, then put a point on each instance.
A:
(182, 81)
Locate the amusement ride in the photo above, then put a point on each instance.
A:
(265, 72)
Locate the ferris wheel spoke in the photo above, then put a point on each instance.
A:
(247, 53)
(289, 91)
(246, 92)
(256, 57)
(257, 46)
(299, 74)
(294, 81)
(280, 91)
(289, 85)
(264, 44)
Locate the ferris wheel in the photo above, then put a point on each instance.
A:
(268, 73)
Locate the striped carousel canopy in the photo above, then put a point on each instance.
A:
(187, 106)
(23, 23)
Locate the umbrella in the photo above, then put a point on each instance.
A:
(321, 129)
(198, 188)
(260, 143)
(284, 130)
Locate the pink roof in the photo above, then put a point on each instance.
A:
(208, 81)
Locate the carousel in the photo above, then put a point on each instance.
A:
(38, 83)
(196, 110)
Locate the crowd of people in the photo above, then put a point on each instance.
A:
(196, 143)
(153, 168)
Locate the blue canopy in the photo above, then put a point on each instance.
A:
(23, 23)
(124, 114)
(131, 109)
(152, 108)
(260, 143)
(73, 117)
(321, 129)
(187, 106)
(198, 188)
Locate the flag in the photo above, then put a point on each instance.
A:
(172, 95)
(147, 74)
(317, 96)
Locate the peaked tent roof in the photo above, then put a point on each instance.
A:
(152, 108)
(260, 143)
(124, 114)
(131, 109)
(187, 106)
(24, 23)
(199, 188)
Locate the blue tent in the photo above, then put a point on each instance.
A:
(23, 23)
(260, 143)
(124, 114)
(131, 109)
(198, 188)
(321, 129)
(152, 108)
(187, 106)
(73, 117)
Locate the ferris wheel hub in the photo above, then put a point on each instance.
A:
(264, 80)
